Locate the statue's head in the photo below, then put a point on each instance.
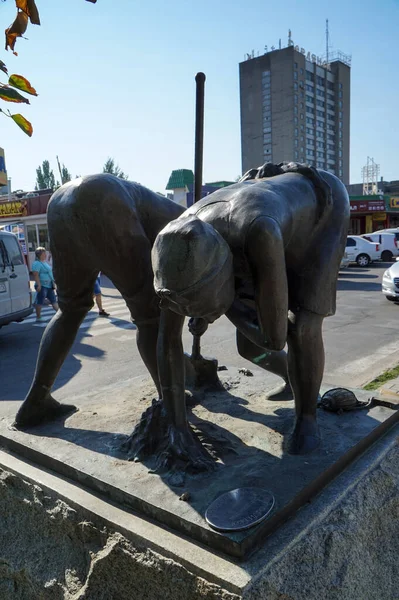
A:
(193, 269)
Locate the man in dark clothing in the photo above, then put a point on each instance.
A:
(266, 252)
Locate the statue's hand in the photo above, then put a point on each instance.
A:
(197, 326)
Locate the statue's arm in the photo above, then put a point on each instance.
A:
(265, 252)
(246, 321)
(170, 358)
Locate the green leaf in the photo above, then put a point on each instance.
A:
(21, 83)
(10, 95)
(23, 123)
(3, 67)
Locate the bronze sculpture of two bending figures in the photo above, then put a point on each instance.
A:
(265, 252)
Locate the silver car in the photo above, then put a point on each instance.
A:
(390, 283)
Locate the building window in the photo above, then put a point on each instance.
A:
(309, 88)
(330, 85)
(331, 97)
(296, 120)
(302, 128)
(295, 110)
(309, 76)
(296, 98)
(302, 150)
(296, 154)
(295, 75)
(296, 143)
(340, 124)
(340, 103)
(340, 114)
(340, 143)
(301, 115)
(320, 103)
(301, 138)
(301, 105)
(295, 85)
(302, 94)
(340, 134)
(309, 99)
(296, 131)
(340, 86)
(340, 173)
(295, 65)
(301, 71)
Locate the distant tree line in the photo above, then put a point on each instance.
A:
(45, 178)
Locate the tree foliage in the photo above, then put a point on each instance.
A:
(45, 177)
(26, 11)
(113, 169)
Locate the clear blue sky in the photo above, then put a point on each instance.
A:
(116, 79)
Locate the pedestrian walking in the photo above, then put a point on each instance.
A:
(44, 282)
(98, 298)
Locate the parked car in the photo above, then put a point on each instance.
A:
(15, 294)
(362, 251)
(390, 282)
(389, 245)
(346, 260)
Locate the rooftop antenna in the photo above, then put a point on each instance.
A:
(327, 41)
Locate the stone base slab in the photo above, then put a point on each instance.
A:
(60, 541)
(247, 432)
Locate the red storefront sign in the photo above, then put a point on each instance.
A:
(367, 206)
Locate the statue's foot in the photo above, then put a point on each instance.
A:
(182, 451)
(281, 393)
(173, 449)
(38, 409)
(306, 436)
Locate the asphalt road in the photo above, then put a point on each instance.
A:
(361, 340)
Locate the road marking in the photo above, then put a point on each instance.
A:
(118, 320)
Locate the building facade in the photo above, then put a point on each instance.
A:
(25, 216)
(295, 107)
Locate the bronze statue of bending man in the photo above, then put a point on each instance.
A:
(98, 223)
(266, 252)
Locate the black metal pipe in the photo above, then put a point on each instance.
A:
(199, 135)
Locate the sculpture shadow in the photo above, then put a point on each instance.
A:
(238, 464)
(358, 286)
(14, 348)
(358, 276)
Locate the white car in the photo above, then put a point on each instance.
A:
(388, 243)
(362, 251)
(15, 294)
(346, 260)
(390, 283)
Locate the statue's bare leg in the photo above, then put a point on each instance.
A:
(270, 360)
(305, 367)
(39, 406)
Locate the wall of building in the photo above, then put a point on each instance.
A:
(282, 68)
(251, 111)
(310, 111)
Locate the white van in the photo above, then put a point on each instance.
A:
(15, 294)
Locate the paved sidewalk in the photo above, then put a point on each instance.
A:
(389, 389)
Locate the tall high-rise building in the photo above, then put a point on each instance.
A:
(296, 106)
